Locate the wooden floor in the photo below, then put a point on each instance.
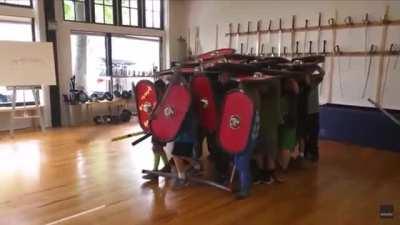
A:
(77, 176)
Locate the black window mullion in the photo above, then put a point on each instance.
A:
(141, 14)
(118, 8)
(74, 3)
(129, 12)
(33, 29)
(92, 11)
(115, 12)
(87, 10)
(108, 44)
(104, 12)
(161, 14)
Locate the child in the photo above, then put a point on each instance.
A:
(312, 129)
(242, 160)
(185, 142)
(158, 147)
(269, 123)
(287, 129)
(182, 152)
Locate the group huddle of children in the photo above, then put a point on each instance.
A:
(285, 130)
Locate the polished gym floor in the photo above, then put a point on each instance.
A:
(77, 176)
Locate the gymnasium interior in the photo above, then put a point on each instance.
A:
(219, 112)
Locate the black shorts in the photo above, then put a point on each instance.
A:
(183, 149)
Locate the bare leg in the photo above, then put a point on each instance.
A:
(164, 158)
(156, 160)
(284, 158)
(192, 162)
(180, 166)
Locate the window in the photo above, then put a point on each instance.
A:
(130, 12)
(153, 13)
(75, 10)
(18, 29)
(17, 2)
(133, 56)
(137, 13)
(105, 63)
(103, 11)
(88, 54)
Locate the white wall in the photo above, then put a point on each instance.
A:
(38, 14)
(207, 14)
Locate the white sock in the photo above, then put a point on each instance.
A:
(196, 165)
(181, 175)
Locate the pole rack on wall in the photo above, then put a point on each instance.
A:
(332, 24)
(349, 53)
(337, 54)
(392, 51)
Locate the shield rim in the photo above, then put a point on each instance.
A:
(220, 121)
(137, 103)
(158, 105)
(213, 95)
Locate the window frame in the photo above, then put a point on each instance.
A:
(87, 12)
(30, 6)
(33, 30)
(117, 14)
(93, 12)
(161, 16)
(108, 48)
(139, 9)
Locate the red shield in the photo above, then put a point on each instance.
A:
(170, 112)
(236, 122)
(146, 101)
(223, 52)
(204, 98)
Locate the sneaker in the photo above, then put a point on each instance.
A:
(276, 178)
(179, 183)
(192, 171)
(197, 166)
(150, 176)
(267, 178)
(258, 179)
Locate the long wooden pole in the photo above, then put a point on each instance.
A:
(382, 57)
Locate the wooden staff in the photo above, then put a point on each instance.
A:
(127, 136)
(332, 23)
(319, 32)
(216, 36)
(386, 113)
(305, 37)
(280, 37)
(382, 57)
(386, 74)
(230, 35)
(372, 50)
(258, 38)
(293, 35)
(189, 178)
(237, 37)
(248, 37)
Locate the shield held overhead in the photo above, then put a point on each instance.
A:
(170, 112)
(236, 122)
(146, 101)
(204, 101)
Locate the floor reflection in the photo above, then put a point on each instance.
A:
(21, 159)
